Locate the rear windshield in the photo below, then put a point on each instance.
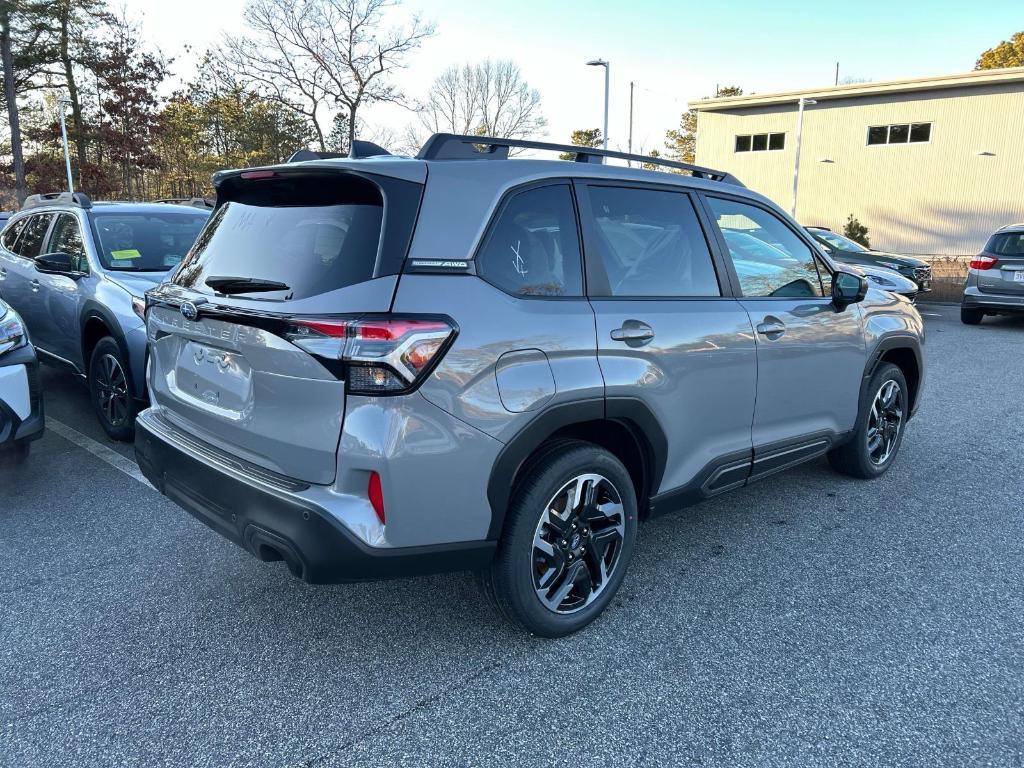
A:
(145, 242)
(1007, 244)
(308, 249)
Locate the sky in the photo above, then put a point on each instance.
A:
(673, 51)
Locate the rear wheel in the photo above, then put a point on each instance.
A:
(568, 540)
(884, 407)
(110, 390)
(971, 316)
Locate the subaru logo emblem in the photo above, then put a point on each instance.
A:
(189, 310)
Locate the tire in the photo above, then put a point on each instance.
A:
(596, 553)
(110, 390)
(971, 316)
(856, 457)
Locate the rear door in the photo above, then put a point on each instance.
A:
(23, 278)
(223, 363)
(1006, 275)
(810, 358)
(668, 332)
(13, 269)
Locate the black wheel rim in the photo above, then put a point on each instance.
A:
(885, 422)
(112, 396)
(578, 543)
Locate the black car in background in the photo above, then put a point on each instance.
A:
(847, 251)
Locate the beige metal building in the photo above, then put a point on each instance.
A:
(930, 166)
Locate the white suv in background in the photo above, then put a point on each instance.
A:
(21, 402)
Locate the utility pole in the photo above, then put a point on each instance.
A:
(799, 136)
(631, 121)
(62, 103)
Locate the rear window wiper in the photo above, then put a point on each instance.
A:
(244, 284)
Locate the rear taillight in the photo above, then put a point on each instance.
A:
(981, 261)
(381, 355)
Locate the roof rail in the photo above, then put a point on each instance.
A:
(360, 149)
(60, 198)
(195, 202)
(450, 146)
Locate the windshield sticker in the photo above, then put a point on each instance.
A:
(128, 253)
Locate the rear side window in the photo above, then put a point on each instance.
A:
(651, 243)
(31, 241)
(10, 235)
(769, 259)
(533, 248)
(311, 239)
(1006, 244)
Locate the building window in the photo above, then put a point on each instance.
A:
(761, 142)
(900, 133)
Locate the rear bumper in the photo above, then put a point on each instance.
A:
(996, 302)
(274, 524)
(20, 370)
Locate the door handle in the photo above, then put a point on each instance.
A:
(3, 273)
(35, 285)
(633, 331)
(771, 327)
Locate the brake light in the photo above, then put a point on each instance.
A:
(259, 174)
(981, 261)
(376, 496)
(380, 355)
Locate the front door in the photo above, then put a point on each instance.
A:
(59, 296)
(668, 334)
(810, 356)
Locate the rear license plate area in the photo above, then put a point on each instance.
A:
(216, 379)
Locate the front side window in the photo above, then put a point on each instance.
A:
(651, 243)
(769, 258)
(31, 241)
(533, 248)
(67, 238)
(134, 241)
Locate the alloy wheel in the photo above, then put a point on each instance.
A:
(885, 422)
(112, 390)
(578, 543)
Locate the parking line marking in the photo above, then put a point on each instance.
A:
(100, 451)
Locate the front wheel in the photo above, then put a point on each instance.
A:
(884, 408)
(110, 390)
(569, 537)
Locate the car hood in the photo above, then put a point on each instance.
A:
(897, 258)
(899, 283)
(137, 283)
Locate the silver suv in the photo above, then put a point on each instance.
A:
(379, 366)
(995, 279)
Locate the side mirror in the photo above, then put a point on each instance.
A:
(57, 264)
(848, 288)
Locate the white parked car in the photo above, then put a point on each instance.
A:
(21, 401)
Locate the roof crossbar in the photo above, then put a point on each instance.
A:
(450, 146)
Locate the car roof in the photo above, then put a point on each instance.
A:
(1012, 228)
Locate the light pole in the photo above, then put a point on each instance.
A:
(62, 103)
(603, 63)
(799, 135)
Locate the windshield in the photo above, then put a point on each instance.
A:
(838, 241)
(134, 241)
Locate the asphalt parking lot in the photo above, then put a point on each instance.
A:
(809, 620)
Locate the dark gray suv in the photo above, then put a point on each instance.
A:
(378, 366)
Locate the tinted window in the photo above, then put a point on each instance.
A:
(878, 134)
(11, 234)
(651, 243)
(145, 242)
(742, 143)
(777, 141)
(1007, 244)
(921, 132)
(31, 241)
(898, 134)
(67, 238)
(533, 246)
(760, 142)
(769, 258)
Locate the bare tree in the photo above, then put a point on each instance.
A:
(275, 60)
(489, 98)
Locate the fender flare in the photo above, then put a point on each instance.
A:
(632, 412)
(897, 341)
(94, 310)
